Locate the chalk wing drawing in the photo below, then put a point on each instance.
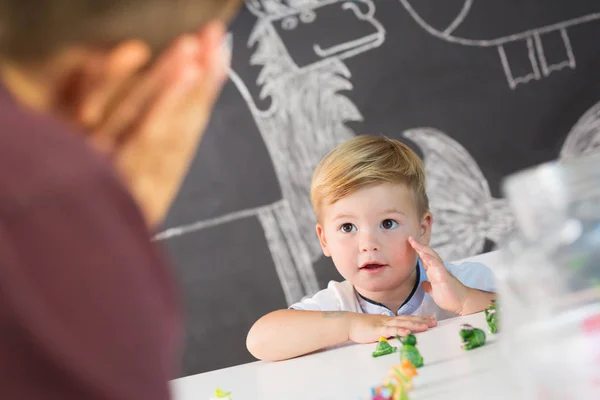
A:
(456, 30)
(584, 138)
(464, 212)
(305, 120)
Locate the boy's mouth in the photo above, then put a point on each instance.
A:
(372, 266)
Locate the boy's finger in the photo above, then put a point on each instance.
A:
(412, 325)
(418, 247)
(423, 250)
(413, 317)
(392, 331)
(429, 321)
(428, 259)
(414, 243)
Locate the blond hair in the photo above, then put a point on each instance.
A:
(365, 161)
(33, 30)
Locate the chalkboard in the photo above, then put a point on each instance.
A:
(479, 89)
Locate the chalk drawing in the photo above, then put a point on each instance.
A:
(307, 117)
(464, 212)
(532, 38)
(584, 137)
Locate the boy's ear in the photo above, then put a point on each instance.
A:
(425, 229)
(323, 240)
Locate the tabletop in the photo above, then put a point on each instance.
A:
(349, 372)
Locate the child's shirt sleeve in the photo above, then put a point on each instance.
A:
(474, 275)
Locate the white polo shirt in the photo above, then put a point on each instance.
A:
(341, 296)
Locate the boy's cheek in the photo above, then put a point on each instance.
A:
(399, 239)
(338, 249)
(402, 250)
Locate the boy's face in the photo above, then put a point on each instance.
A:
(366, 234)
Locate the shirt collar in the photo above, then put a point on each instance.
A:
(410, 305)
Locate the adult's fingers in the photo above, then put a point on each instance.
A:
(179, 116)
(107, 78)
(128, 112)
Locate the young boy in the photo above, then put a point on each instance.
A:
(102, 105)
(374, 222)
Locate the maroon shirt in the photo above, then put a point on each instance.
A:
(87, 309)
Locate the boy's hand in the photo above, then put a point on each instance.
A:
(367, 328)
(447, 291)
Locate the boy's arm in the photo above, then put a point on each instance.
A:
(284, 334)
(476, 300)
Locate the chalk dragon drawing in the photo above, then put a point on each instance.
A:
(457, 29)
(306, 118)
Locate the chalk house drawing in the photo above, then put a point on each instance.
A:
(305, 120)
(465, 214)
(532, 38)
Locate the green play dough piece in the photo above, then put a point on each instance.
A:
(472, 337)
(491, 316)
(383, 348)
(410, 351)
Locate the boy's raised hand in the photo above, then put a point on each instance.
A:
(368, 328)
(447, 291)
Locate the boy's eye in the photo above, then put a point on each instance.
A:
(389, 224)
(347, 228)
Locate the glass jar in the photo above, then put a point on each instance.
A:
(550, 280)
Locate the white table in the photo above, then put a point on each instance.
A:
(348, 372)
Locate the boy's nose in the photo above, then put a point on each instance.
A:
(369, 244)
(371, 247)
